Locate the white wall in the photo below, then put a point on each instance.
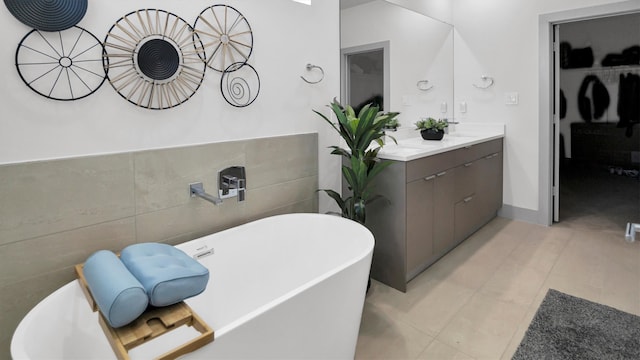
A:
(287, 36)
(499, 38)
(420, 49)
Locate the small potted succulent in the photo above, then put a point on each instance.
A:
(432, 129)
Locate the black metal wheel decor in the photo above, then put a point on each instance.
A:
(226, 35)
(153, 59)
(61, 65)
(48, 15)
(240, 84)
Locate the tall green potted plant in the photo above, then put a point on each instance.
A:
(361, 163)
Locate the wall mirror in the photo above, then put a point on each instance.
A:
(416, 65)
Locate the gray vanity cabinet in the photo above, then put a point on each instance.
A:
(420, 218)
(489, 186)
(429, 206)
(444, 193)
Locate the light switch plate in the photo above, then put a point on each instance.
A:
(511, 98)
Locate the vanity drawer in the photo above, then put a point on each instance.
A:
(465, 180)
(465, 218)
(474, 152)
(429, 165)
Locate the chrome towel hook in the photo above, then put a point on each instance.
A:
(311, 67)
(487, 82)
(424, 85)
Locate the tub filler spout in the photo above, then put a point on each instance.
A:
(197, 190)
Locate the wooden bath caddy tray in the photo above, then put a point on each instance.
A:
(152, 323)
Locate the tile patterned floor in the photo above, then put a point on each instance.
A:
(477, 301)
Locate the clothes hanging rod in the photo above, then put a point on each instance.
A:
(605, 68)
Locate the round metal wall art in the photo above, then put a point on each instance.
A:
(240, 84)
(226, 35)
(48, 15)
(62, 65)
(153, 59)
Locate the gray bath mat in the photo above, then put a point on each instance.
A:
(567, 327)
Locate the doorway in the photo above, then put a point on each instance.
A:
(365, 75)
(598, 67)
(549, 127)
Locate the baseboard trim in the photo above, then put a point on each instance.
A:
(521, 214)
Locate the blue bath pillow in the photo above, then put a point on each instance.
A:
(167, 274)
(119, 295)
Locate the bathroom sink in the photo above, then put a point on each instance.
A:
(418, 143)
(400, 150)
(458, 138)
(405, 151)
(458, 135)
(461, 133)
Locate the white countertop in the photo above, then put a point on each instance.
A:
(411, 146)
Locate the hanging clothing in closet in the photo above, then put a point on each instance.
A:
(592, 104)
(629, 102)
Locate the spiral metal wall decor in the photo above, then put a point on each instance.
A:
(240, 84)
(226, 35)
(154, 59)
(62, 65)
(48, 15)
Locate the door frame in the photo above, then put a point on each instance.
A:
(546, 23)
(385, 46)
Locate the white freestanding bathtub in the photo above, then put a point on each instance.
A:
(285, 287)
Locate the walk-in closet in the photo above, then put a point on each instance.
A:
(599, 61)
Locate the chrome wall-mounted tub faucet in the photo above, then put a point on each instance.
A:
(232, 182)
(197, 190)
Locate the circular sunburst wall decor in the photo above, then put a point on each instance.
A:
(61, 65)
(48, 15)
(240, 84)
(226, 35)
(154, 59)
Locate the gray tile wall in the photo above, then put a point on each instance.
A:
(54, 214)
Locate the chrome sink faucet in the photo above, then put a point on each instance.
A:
(446, 130)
